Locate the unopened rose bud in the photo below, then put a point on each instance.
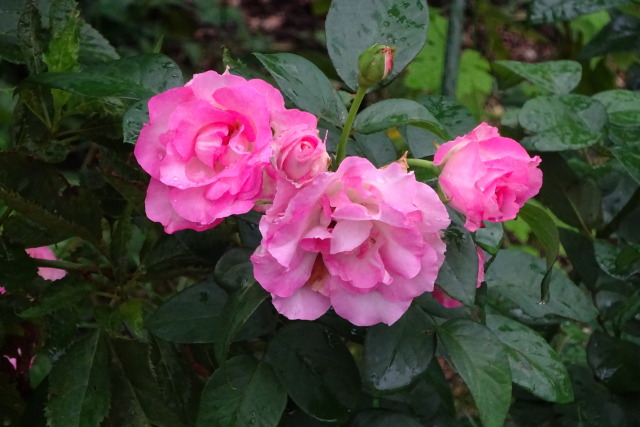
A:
(374, 64)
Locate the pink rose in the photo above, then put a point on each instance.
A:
(449, 302)
(486, 176)
(299, 155)
(205, 147)
(363, 240)
(44, 252)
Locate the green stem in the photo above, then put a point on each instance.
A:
(64, 265)
(341, 151)
(425, 164)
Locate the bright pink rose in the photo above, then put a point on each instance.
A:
(486, 176)
(205, 147)
(449, 302)
(299, 155)
(44, 252)
(363, 240)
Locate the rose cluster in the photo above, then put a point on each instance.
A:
(363, 240)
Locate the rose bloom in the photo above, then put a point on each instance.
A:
(363, 240)
(205, 147)
(486, 176)
(449, 302)
(299, 155)
(47, 273)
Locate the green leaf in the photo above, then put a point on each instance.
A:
(534, 365)
(384, 418)
(562, 122)
(317, 370)
(426, 70)
(395, 355)
(516, 276)
(490, 237)
(240, 393)
(574, 200)
(481, 360)
(619, 35)
(179, 385)
(16, 267)
(546, 231)
(32, 38)
(46, 198)
(137, 400)
(564, 10)
(615, 362)
(65, 25)
(94, 47)
(190, 315)
(79, 387)
(458, 275)
(234, 270)
(623, 106)
(395, 112)
(10, 12)
(70, 292)
(621, 263)
(19, 229)
(352, 27)
(377, 147)
(307, 87)
(136, 77)
(475, 83)
(453, 117)
(240, 306)
(132, 121)
(558, 77)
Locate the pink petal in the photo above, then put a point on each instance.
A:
(364, 309)
(304, 304)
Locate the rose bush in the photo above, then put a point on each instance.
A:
(486, 176)
(351, 240)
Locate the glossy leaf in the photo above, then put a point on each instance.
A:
(352, 27)
(490, 237)
(234, 270)
(79, 386)
(240, 393)
(629, 156)
(557, 77)
(307, 87)
(621, 34)
(623, 106)
(191, 315)
(316, 369)
(564, 10)
(481, 360)
(458, 275)
(32, 37)
(377, 147)
(562, 122)
(534, 365)
(621, 263)
(454, 118)
(240, 306)
(132, 121)
(516, 276)
(614, 361)
(546, 231)
(395, 112)
(94, 47)
(395, 355)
